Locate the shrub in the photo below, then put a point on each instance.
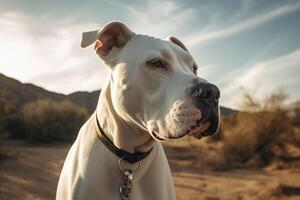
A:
(16, 126)
(53, 121)
(295, 114)
(12, 123)
(254, 137)
(239, 142)
(8, 114)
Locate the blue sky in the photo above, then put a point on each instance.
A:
(250, 44)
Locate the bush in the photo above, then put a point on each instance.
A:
(5, 110)
(239, 142)
(16, 126)
(295, 114)
(254, 137)
(53, 121)
(12, 123)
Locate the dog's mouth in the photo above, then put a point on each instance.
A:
(180, 124)
(205, 128)
(201, 129)
(157, 137)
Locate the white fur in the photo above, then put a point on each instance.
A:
(135, 101)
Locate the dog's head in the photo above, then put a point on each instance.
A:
(154, 83)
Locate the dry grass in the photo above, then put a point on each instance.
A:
(31, 172)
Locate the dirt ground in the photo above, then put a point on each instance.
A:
(31, 172)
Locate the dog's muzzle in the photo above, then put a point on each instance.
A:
(205, 97)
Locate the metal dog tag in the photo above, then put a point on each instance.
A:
(126, 186)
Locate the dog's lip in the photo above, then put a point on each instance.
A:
(156, 136)
(160, 138)
(210, 130)
(202, 129)
(199, 131)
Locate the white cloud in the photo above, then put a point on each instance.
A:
(204, 36)
(48, 53)
(169, 19)
(263, 78)
(208, 71)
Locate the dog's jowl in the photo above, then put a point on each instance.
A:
(152, 94)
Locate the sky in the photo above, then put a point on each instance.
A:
(237, 44)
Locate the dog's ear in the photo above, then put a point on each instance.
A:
(88, 38)
(112, 35)
(177, 42)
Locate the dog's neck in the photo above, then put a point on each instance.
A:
(124, 135)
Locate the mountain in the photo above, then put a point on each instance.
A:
(227, 111)
(85, 99)
(21, 93)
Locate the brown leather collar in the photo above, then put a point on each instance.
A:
(129, 157)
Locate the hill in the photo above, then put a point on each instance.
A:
(85, 99)
(21, 93)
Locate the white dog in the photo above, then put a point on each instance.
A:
(152, 94)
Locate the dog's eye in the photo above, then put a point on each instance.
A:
(157, 64)
(195, 68)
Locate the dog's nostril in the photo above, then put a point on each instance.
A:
(209, 94)
(205, 91)
(218, 94)
(213, 92)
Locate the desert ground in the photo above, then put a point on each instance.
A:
(30, 171)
